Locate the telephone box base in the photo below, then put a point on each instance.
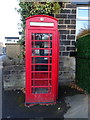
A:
(41, 103)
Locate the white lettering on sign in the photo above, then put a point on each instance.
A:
(41, 24)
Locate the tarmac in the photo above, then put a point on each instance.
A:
(69, 105)
(13, 107)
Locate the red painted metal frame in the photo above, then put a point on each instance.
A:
(42, 98)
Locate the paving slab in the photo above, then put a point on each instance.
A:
(78, 106)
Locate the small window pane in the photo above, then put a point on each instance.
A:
(41, 90)
(40, 83)
(40, 75)
(83, 13)
(40, 68)
(41, 52)
(36, 44)
(40, 60)
(82, 24)
(41, 36)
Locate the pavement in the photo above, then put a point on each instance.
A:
(89, 106)
(78, 106)
(0, 87)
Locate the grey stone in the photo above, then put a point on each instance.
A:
(78, 106)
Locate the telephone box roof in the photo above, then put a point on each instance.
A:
(42, 16)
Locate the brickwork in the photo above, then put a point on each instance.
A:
(67, 29)
(67, 26)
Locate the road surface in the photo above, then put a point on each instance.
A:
(1, 86)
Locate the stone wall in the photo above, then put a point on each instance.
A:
(13, 74)
(14, 77)
(67, 29)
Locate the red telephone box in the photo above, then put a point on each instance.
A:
(42, 54)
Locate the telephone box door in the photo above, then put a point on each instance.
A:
(42, 66)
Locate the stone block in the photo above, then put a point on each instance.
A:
(62, 37)
(69, 5)
(71, 37)
(61, 16)
(74, 11)
(61, 21)
(65, 53)
(73, 32)
(65, 42)
(62, 26)
(71, 48)
(62, 48)
(73, 22)
(64, 32)
(67, 21)
(71, 16)
(71, 26)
